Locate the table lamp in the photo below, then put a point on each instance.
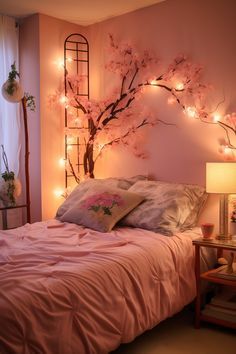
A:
(221, 179)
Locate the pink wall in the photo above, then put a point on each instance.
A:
(42, 44)
(201, 29)
(53, 33)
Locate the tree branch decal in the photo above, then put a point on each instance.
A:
(120, 118)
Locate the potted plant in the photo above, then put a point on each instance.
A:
(11, 89)
(10, 187)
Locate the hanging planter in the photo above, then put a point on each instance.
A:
(9, 191)
(14, 87)
(11, 89)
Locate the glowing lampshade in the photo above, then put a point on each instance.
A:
(221, 178)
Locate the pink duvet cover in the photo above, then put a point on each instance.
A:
(71, 290)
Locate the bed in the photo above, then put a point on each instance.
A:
(69, 289)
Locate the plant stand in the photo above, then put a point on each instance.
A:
(27, 179)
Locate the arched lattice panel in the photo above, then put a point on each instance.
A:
(76, 79)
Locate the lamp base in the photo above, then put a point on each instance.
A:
(224, 237)
(223, 219)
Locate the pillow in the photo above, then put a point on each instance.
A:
(168, 207)
(83, 187)
(101, 208)
(125, 182)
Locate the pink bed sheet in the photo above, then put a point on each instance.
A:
(71, 290)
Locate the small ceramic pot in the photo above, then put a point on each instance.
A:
(207, 230)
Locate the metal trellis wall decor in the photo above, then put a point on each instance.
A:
(76, 77)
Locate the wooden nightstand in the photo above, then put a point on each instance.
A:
(211, 277)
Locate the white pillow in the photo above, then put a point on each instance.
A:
(168, 207)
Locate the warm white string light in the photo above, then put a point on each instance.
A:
(58, 192)
(62, 162)
(59, 63)
(216, 117)
(191, 112)
(179, 86)
(153, 82)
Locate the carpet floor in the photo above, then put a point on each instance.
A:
(177, 335)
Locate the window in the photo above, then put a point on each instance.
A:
(9, 112)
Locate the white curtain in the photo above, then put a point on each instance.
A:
(9, 112)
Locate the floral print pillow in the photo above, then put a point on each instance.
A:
(83, 187)
(101, 208)
(103, 202)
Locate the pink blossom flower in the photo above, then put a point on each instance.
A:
(231, 119)
(103, 201)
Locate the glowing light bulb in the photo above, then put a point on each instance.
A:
(216, 118)
(62, 162)
(58, 193)
(179, 86)
(153, 82)
(191, 112)
(63, 100)
(60, 63)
